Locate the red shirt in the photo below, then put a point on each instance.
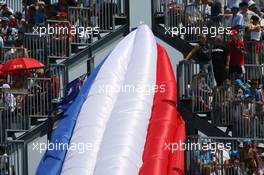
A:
(236, 50)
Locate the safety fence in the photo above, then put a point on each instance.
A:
(23, 108)
(98, 17)
(244, 115)
(231, 105)
(36, 46)
(14, 111)
(15, 5)
(191, 79)
(201, 88)
(104, 12)
(12, 158)
(39, 97)
(254, 52)
(182, 17)
(254, 72)
(81, 18)
(223, 156)
(59, 38)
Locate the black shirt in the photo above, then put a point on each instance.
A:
(219, 56)
(203, 53)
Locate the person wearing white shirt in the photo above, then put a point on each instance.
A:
(255, 36)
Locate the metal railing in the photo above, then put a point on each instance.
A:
(104, 12)
(20, 109)
(36, 46)
(228, 104)
(222, 156)
(201, 88)
(81, 18)
(14, 111)
(254, 54)
(39, 97)
(59, 39)
(222, 106)
(16, 6)
(193, 84)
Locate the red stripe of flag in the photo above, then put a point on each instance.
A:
(166, 125)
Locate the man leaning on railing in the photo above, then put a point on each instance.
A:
(202, 54)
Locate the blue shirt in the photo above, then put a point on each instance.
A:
(237, 21)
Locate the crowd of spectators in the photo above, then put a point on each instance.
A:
(237, 55)
(230, 81)
(244, 158)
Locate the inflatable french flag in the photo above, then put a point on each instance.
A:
(124, 118)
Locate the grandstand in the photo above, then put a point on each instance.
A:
(225, 113)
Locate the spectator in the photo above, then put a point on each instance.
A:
(201, 91)
(255, 36)
(12, 36)
(36, 13)
(20, 21)
(9, 98)
(247, 14)
(237, 20)
(6, 11)
(232, 164)
(4, 26)
(254, 91)
(219, 60)
(262, 94)
(235, 56)
(253, 7)
(216, 11)
(260, 148)
(202, 54)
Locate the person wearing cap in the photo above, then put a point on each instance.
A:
(247, 14)
(260, 148)
(255, 8)
(9, 98)
(4, 27)
(236, 55)
(37, 11)
(6, 11)
(237, 19)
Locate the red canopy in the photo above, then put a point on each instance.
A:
(21, 64)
